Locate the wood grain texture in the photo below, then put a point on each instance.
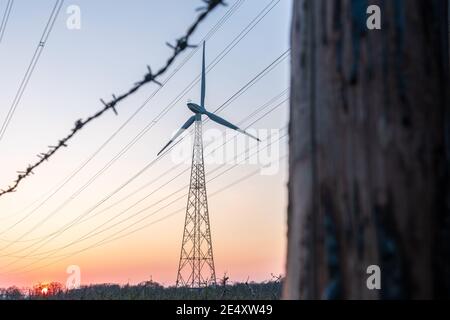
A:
(368, 151)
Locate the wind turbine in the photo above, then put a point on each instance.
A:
(196, 266)
(200, 110)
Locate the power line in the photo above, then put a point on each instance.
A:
(92, 233)
(247, 87)
(243, 89)
(114, 236)
(261, 15)
(247, 118)
(181, 45)
(31, 67)
(170, 170)
(184, 171)
(65, 181)
(5, 19)
(180, 210)
(143, 210)
(50, 237)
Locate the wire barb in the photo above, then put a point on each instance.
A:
(210, 3)
(181, 45)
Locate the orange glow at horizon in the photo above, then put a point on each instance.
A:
(240, 250)
(135, 235)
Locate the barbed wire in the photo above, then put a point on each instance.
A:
(100, 230)
(79, 219)
(180, 46)
(120, 234)
(136, 138)
(263, 73)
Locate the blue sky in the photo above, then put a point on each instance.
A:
(107, 55)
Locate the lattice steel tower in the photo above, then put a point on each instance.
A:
(196, 267)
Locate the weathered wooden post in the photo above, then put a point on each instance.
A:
(369, 150)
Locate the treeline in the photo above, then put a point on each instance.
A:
(150, 290)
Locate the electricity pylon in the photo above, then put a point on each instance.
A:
(196, 267)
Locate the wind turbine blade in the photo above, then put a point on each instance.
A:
(227, 124)
(248, 134)
(182, 129)
(203, 93)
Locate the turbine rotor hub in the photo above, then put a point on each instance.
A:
(195, 108)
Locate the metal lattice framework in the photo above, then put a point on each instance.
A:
(196, 267)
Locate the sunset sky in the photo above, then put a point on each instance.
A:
(110, 52)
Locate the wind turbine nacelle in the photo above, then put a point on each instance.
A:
(195, 108)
